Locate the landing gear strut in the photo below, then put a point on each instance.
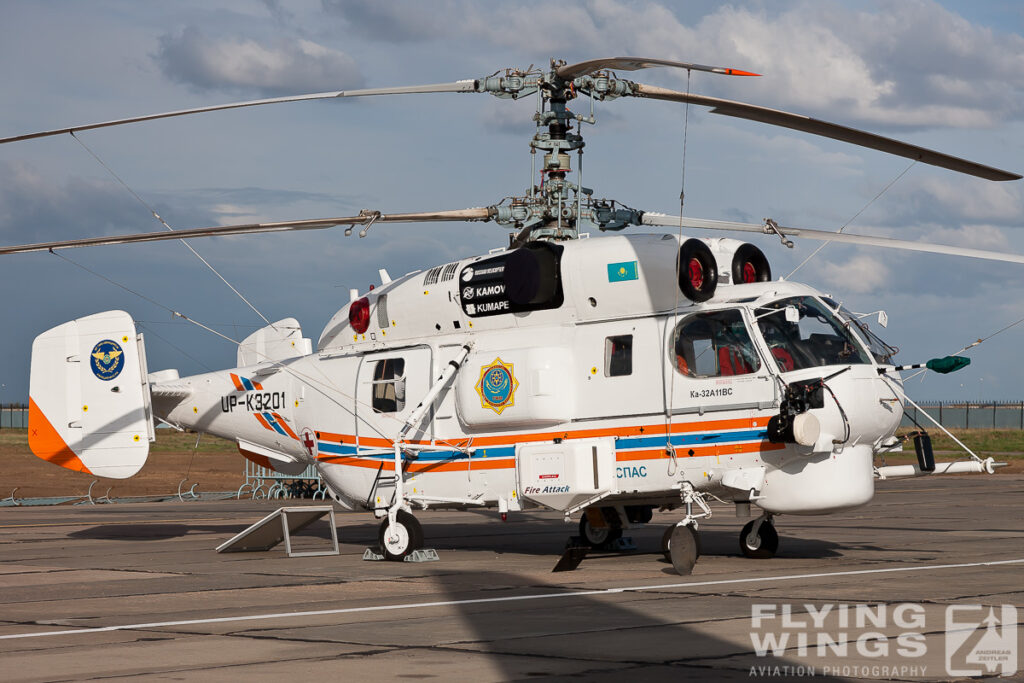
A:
(759, 539)
(401, 537)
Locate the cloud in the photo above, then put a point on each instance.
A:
(860, 273)
(33, 208)
(907, 64)
(288, 66)
(396, 20)
(949, 201)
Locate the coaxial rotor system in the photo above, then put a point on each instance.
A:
(556, 207)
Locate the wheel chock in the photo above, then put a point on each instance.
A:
(571, 558)
(421, 555)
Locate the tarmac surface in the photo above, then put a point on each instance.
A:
(884, 592)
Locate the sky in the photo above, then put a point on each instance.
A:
(944, 75)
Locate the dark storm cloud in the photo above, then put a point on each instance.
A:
(33, 208)
(284, 66)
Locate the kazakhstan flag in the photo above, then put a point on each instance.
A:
(621, 272)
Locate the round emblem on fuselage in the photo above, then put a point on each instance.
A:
(106, 359)
(497, 386)
(467, 292)
(467, 275)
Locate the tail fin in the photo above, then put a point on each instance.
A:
(89, 402)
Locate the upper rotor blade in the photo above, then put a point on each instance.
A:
(457, 86)
(665, 220)
(571, 71)
(828, 130)
(478, 214)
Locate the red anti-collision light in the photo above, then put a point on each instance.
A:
(359, 315)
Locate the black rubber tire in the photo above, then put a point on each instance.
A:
(684, 544)
(409, 536)
(767, 541)
(696, 252)
(598, 538)
(666, 543)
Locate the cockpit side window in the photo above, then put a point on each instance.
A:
(818, 338)
(714, 344)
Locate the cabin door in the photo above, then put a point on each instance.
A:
(713, 365)
(389, 387)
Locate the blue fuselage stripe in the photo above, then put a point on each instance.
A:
(623, 444)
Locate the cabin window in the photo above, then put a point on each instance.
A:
(714, 344)
(618, 356)
(389, 385)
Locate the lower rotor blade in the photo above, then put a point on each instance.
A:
(665, 220)
(478, 214)
(835, 131)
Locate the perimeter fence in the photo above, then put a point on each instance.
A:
(13, 416)
(968, 415)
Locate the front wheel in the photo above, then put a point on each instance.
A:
(401, 538)
(761, 545)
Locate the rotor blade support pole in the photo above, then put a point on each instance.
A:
(415, 417)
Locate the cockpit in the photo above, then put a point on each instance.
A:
(799, 332)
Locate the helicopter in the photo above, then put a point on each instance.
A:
(601, 377)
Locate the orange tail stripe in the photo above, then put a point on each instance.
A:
(263, 421)
(238, 382)
(46, 443)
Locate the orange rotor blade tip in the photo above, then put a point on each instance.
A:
(737, 72)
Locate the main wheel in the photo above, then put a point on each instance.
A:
(666, 542)
(761, 545)
(597, 537)
(401, 538)
(683, 549)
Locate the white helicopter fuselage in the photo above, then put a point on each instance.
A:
(616, 395)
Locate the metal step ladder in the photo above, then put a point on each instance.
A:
(265, 534)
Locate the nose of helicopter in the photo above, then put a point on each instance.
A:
(858, 411)
(860, 407)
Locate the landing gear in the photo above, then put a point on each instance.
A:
(600, 536)
(759, 539)
(400, 538)
(683, 548)
(666, 542)
(681, 542)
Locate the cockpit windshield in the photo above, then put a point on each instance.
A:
(882, 352)
(809, 335)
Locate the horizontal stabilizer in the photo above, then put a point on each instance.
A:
(271, 459)
(276, 342)
(89, 407)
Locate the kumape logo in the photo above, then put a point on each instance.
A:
(497, 386)
(107, 359)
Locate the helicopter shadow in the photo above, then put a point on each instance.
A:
(601, 637)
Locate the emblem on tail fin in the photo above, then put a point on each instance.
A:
(106, 361)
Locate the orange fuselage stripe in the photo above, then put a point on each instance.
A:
(639, 430)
